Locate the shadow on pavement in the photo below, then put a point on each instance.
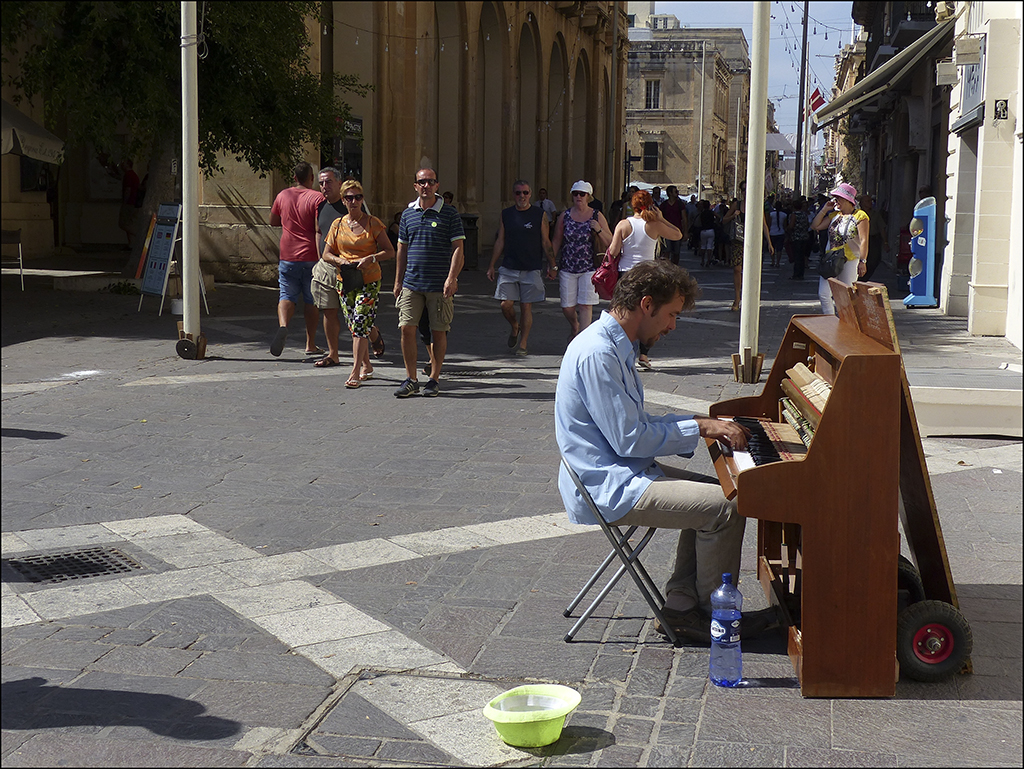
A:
(29, 704)
(32, 435)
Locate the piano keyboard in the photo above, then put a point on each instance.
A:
(769, 442)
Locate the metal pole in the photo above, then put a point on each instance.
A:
(609, 166)
(801, 107)
(736, 161)
(753, 215)
(700, 140)
(190, 170)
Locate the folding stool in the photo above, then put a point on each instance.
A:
(628, 555)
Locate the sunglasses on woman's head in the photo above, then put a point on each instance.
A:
(353, 198)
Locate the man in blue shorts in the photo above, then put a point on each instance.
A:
(524, 230)
(295, 212)
(430, 258)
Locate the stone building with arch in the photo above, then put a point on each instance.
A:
(483, 92)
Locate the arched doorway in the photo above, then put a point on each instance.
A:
(526, 168)
(491, 120)
(558, 186)
(581, 142)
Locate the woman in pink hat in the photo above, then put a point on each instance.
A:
(848, 230)
(577, 229)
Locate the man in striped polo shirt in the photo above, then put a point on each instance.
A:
(430, 258)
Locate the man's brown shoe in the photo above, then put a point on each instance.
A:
(693, 625)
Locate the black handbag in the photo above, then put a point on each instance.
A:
(351, 278)
(831, 264)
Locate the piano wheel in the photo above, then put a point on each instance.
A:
(908, 579)
(933, 641)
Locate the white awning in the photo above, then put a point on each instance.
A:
(778, 143)
(886, 76)
(24, 136)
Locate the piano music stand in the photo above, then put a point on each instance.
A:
(629, 557)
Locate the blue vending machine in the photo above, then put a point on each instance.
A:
(922, 261)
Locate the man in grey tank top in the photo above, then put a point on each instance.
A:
(524, 242)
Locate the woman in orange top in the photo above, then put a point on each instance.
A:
(360, 239)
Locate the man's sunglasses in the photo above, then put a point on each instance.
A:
(353, 198)
(522, 192)
(425, 182)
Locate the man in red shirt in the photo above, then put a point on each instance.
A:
(295, 211)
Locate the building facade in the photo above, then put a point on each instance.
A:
(981, 275)
(484, 92)
(687, 104)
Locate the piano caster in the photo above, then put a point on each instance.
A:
(908, 583)
(933, 641)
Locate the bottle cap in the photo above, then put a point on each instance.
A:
(727, 578)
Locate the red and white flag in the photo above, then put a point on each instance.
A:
(817, 101)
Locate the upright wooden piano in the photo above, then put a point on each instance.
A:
(837, 407)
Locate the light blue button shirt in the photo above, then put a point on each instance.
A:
(601, 426)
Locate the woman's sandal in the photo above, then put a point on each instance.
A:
(326, 362)
(378, 345)
(353, 384)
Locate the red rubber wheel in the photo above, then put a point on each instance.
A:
(933, 640)
(933, 643)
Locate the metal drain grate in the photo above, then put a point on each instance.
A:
(78, 564)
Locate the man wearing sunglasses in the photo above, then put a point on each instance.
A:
(523, 241)
(430, 258)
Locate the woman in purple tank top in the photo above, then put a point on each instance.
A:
(577, 259)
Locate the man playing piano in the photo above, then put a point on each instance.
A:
(605, 435)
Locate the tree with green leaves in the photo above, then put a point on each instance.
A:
(107, 69)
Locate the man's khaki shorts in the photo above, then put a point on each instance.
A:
(440, 309)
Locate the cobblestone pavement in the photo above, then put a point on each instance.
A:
(315, 576)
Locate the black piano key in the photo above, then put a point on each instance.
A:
(760, 446)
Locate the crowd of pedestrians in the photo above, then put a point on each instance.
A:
(332, 248)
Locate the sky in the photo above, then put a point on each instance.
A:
(831, 19)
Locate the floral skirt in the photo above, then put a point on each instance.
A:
(360, 308)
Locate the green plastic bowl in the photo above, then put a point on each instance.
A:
(532, 716)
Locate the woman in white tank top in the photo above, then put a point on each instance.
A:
(635, 240)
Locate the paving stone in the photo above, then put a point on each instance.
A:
(353, 716)
(76, 633)
(314, 762)
(283, 706)
(648, 682)
(127, 637)
(565, 663)
(633, 731)
(620, 755)
(256, 666)
(822, 758)
(795, 721)
(735, 754)
(148, 661)
(669, 755)
(937, 729)
(684, 711)
(646, 707)
(346, 746)
(174, 640)
(69, 655)
(53, 750)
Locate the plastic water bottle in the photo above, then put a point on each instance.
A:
(726, 659)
